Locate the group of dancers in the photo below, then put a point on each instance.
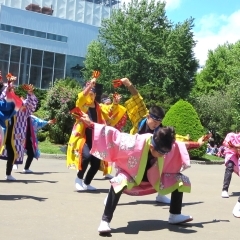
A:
(150, 159)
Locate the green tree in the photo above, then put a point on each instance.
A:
(183, 117)
(141, 43)
(221, 69)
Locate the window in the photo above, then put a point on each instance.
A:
(48, 59)
(37, 57)
(4, 52)
(59, 61)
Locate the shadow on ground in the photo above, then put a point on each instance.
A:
(28, 181)
(134, 227)
(20, 197)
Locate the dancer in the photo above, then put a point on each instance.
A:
(33, 125)
(80, 142)
(143, 120)
(19, 128)
(232, 151)
(139, 161)
(9, 106)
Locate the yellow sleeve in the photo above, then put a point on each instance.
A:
(112, 113)
(136, 110)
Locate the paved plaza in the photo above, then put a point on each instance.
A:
(45, 206)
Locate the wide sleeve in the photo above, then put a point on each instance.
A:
(136, 109)
(40, 122)
(30, 103)
(113, 113)
(81, 100)
(113, 146)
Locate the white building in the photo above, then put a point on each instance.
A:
(41, 40)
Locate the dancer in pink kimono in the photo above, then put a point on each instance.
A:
(139, 161)
(232, 153)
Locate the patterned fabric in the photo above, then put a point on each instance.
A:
(136, 110)
(36, 124)
(130, 154)
(19, 136)
(78, 137)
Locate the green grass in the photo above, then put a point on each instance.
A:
(50, 148)
(207, 157)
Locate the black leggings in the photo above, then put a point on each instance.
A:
(30, 153)
(228, 175)
(86, 159)
(9, 148)
(113, 198)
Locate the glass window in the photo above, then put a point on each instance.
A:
(15, 54)
(51, 36)
(25, 56)
(46, 78)
(40, 34)
(14, 70)
(29, 32)
(59, 61)
(58, 74)
(35, 76)
(4, 69)
(34, 33)
(24, 74)
(4, 52)
(37, 57)
(48, 59)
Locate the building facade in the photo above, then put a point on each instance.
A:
(44, 40)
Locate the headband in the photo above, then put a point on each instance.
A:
(157, 148)
(106, 100)
(157, 118)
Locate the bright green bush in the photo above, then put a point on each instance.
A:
(183, 117)
(60, 99)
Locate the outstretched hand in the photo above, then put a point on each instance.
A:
(204, 138)
(53, 121)
(116, 98)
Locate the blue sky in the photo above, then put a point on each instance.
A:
(216, 22)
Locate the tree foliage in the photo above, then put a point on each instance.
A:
(60, 99)
(141, 43)
(183, 117)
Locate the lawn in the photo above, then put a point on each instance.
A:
(208, 157)
(50, 148)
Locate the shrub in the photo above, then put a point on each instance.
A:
(41, 136)
(40, 94)
(183, 117)
(60, 99)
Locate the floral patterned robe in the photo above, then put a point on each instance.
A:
(130, 155)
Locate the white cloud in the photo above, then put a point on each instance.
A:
(170, 4)
(216, 30)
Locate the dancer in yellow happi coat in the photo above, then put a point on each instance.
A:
(80, 142)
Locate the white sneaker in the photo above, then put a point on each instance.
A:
(104, 227)
(88, 187)
(10, 178)
(179, 218)
(108, 176)
(236, 210)
(163, 199)
(15, 167)
(225, 194)
(27, 171)
(81, 186)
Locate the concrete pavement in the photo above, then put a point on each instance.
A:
(45, 206)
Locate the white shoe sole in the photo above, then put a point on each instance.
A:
(185, 221)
